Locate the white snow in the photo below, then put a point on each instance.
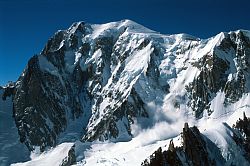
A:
(139, 61)
(218, 131)
(121, 153)
(52, 157)
(74, 27)
(100, 29)
(77, 57)
(118, 27)
(230, 113)
(97, 54)
(134, 66)
(149, 134)
(166, 126)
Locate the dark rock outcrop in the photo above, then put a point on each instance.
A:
(9, 90)
(159, 158)
(194, 147)
(47, 98)
(193, 152)
(242, 135)
(70, 159)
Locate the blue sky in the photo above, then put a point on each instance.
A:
(26, 25)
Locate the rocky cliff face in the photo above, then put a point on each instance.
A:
(197, 149)
(225, 68)
(242, 135)
(105, 76)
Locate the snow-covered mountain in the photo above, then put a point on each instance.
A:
(132, 89)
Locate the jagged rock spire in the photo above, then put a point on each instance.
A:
(186, 126)
(244, 116)
(171, 146)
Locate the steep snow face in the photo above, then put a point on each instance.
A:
(11, 150)
(112, 81)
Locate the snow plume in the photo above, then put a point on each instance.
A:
(164, 123)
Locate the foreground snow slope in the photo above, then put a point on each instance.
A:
(144, 144)
(52, 157)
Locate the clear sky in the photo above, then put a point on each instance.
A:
(26, 25)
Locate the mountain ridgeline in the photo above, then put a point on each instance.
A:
(95, 81)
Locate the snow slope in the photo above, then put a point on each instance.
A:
(146, 142)
(52, 157)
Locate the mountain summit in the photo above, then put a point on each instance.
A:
(123, 83)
